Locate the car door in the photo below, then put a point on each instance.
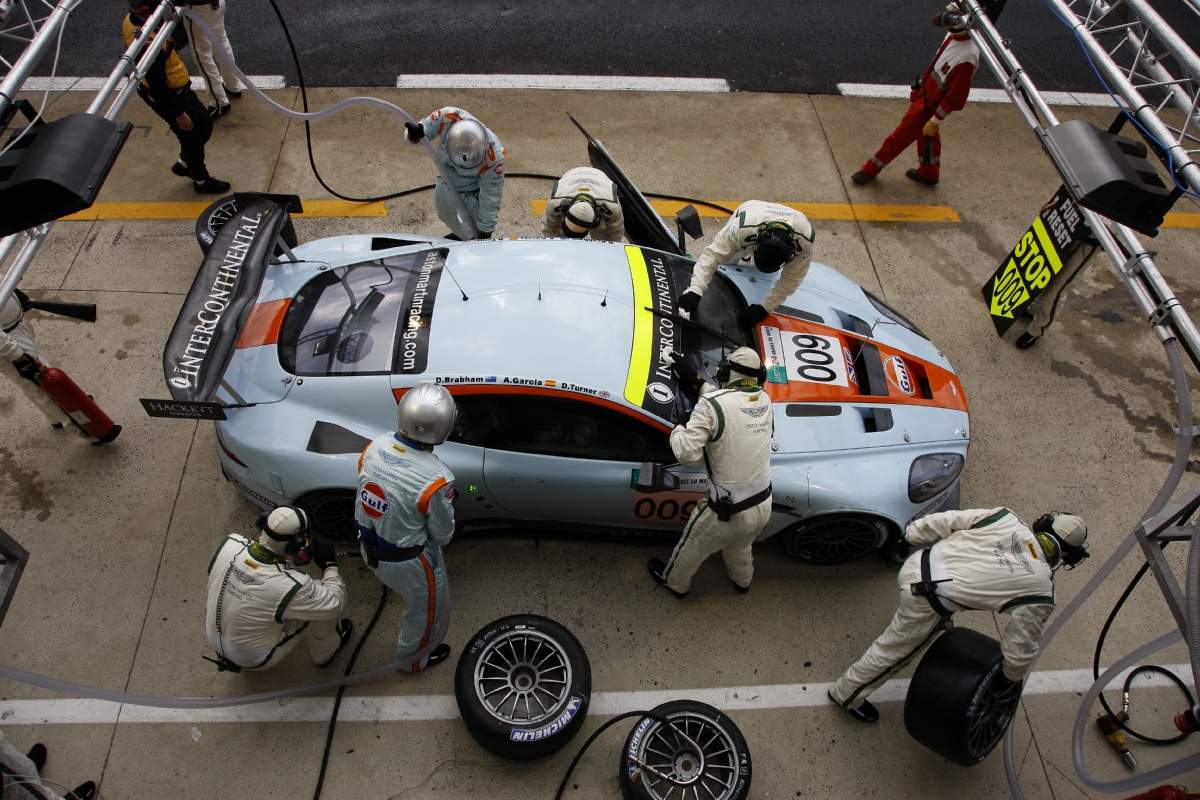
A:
(557, 458)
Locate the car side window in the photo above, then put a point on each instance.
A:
(555, 426)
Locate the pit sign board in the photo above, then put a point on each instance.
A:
(1053, 238)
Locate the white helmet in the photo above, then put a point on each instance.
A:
(467, 143)
(579, 218)
(283, 529)
(743, 361)
(10, 315)
(426, 414)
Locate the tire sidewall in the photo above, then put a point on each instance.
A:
(637, 791)
(205, 234)
(523, 742)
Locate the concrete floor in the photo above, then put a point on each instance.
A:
(120, 536)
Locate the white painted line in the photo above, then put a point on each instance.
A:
(95, 84)
(596, 82)
(977, 95)
(399, 708)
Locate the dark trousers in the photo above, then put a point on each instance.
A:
(191, 143)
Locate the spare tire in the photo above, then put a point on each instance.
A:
(221, 211)
(955, 705)
(700, 749)
(522, 686)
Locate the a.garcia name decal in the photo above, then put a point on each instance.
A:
(560, 722)
(804, 357)
(416, 313)
(650, 383)
(1052, 238)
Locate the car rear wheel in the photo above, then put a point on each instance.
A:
(701, 754)
(834, 539)
(213, 218)
(331, 512)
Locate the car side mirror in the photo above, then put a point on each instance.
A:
(654, 478)
(688, 220)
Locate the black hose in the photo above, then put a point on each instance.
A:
(1144, 668)
(337, 703)
(563, 786)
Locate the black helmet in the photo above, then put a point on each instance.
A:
(773, 248)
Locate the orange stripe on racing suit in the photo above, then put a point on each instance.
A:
(363, 455)
(432, 605)
(427, 495)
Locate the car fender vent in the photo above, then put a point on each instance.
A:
(810, 410)
(329, 439)
(876, 420)
(799, 313)
(854, 324)
(868, 366)
(6, 172)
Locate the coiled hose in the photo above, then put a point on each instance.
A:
(1178, 467)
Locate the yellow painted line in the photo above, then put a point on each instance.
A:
(643, 328)
(192, 210)
(826, 211)
(1181, 220)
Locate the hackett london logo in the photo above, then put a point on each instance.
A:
(208, 317)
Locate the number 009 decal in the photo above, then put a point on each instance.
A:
(816, 359)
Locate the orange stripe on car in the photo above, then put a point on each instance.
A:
(491, 388)
(429, 579)
(262, 327)
(427, 495)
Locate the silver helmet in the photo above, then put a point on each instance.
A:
(467, 143)
(426, 414)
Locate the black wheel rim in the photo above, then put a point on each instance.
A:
(990, 716)
(333, 517)
(700, 764)
(833, 540)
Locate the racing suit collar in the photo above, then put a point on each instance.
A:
(743, 384)
(264, 556)
(412, 444)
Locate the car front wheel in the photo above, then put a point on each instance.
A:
(834, 538)
(331, 513)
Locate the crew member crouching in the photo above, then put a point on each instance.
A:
(260, 605)
(584, 201)
(984, 559)
(730, 430)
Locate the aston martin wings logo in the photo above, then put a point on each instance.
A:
(755, 412)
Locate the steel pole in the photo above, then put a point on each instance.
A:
(33, 53)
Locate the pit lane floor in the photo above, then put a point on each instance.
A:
(120, 536)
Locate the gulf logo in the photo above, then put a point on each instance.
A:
(374, 501)
(897, 373)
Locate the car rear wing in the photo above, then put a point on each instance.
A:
(642, 223)
(221, 299)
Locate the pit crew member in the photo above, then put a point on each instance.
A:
(476, 160)
(985, 559)
(167, 89)
(405, 516)
(213, 14)
(260, 605)
(775, 236)
(584, 201)
(20, 775)
(729, 430)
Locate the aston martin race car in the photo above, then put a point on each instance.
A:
(553, 350)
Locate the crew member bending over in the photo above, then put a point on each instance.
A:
(776, 236)
(584, 201)
(984, 559)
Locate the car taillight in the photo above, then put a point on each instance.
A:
(229, 452)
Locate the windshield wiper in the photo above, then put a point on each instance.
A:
(697, 325)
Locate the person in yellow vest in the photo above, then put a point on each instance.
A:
(167, 89)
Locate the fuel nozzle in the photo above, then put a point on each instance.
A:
(1116, 737)
(951, 20)
(1188, 721)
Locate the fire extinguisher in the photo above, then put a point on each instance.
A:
(82, 410)
(1164, 793)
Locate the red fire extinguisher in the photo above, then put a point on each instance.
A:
(77, 405)
(1164, 793)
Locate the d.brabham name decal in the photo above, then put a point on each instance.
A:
(650, 383)
(537, 734)
(417, 314)
(220, 301)
(1050, 241)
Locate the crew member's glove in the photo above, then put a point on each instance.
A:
(895, 551)
(1001, 683)
(755, 314)
(931, 128)
(416, 131)
(484, 235)
(27, 367)
(323, 554)
(689, 302)
(686, 376)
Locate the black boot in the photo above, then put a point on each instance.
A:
(656, 568)
(37, 754)
(864, 713)
(439, 654)
(212, 186)
(919, 178)
(861, 177)
(344, 629)
(84, 791)
(179, 168)
(1026, 341)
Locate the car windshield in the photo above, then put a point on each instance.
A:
(344, 321)
(722, 311)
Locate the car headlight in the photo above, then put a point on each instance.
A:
(932, 474)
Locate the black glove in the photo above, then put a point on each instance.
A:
(27, 367)
(323, 554)
(416, 131)
(895, 550)
(755, 314)
(1002, 685)
(684, 374)
(689, 302)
